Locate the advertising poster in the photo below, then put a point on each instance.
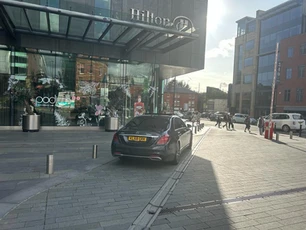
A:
(66, 100)
(139, 108)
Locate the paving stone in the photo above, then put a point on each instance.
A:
(12, 226)
(271, 225)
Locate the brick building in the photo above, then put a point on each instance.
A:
(183, 99)
(291, 85)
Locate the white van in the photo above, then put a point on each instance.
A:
(287, 121)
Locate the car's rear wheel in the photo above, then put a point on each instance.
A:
(177, 155)
(286, 128)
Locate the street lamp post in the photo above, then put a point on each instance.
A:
(273, 87)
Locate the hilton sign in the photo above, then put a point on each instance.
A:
(181, 23)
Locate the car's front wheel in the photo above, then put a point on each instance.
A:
(286, 128)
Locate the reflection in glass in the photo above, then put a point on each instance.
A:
(17, 16)
(78, 26)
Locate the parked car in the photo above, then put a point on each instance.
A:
(154, 137)
(287, 121)
(188, 115)
(177, 113)
(239, 117)
(213, 117)
(253, 121)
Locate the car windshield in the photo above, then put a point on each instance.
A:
(154, 123)
(297, 117)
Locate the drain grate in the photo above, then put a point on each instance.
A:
(232, 200)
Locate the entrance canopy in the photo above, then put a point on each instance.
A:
(20, 17)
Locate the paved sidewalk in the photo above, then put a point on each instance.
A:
(240, 181)
(235, 180)
(110, 196)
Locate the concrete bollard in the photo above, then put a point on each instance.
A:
(291, 134)
(50, 164)
(94, 151)
(277, 136)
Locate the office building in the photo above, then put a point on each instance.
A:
(255, 50)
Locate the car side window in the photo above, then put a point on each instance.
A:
(283, 116)
(275, 116)
(178, 123)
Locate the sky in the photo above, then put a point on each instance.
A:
(220, 41)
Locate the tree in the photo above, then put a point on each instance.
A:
(215, 93)
(179, 84)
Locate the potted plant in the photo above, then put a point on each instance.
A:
(23, 91)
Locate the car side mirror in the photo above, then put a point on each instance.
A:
(189, 125)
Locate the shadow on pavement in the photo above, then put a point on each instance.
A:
(196, 202)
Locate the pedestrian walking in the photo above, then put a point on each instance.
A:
(230, 122)
(260, 125)
(226, 120)
(218, 122)
(247, 123)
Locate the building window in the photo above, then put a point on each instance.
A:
(251, 26)
(248, 62)
(81, 68)
(250, 45)
(288, 73)
(238, 78)
(247, 79)
(299, 95)
(290, 52)
(303, 49)
(287, 95)
(301, 71)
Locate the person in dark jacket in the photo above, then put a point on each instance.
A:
(230, 122)
(247, 123)
(226, 120)
(260, 125)
(218, 122)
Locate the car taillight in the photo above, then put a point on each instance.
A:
(116, 138)
(163, 140)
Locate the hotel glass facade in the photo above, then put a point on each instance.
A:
(82, 56)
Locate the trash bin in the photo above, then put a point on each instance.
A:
(30, 123)
(269, 127)
(111, 123)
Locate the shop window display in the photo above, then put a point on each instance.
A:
(81, 90)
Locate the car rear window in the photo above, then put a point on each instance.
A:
(297, 117)
(153, 123)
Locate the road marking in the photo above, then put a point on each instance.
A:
(212, 203)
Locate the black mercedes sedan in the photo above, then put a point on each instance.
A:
(154, 137)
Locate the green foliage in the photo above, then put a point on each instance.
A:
(176, 83)
(215, 93)
(24, 91)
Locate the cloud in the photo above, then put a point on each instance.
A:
(201, 79)
(224, 49)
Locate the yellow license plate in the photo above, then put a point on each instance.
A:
(138, 139)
